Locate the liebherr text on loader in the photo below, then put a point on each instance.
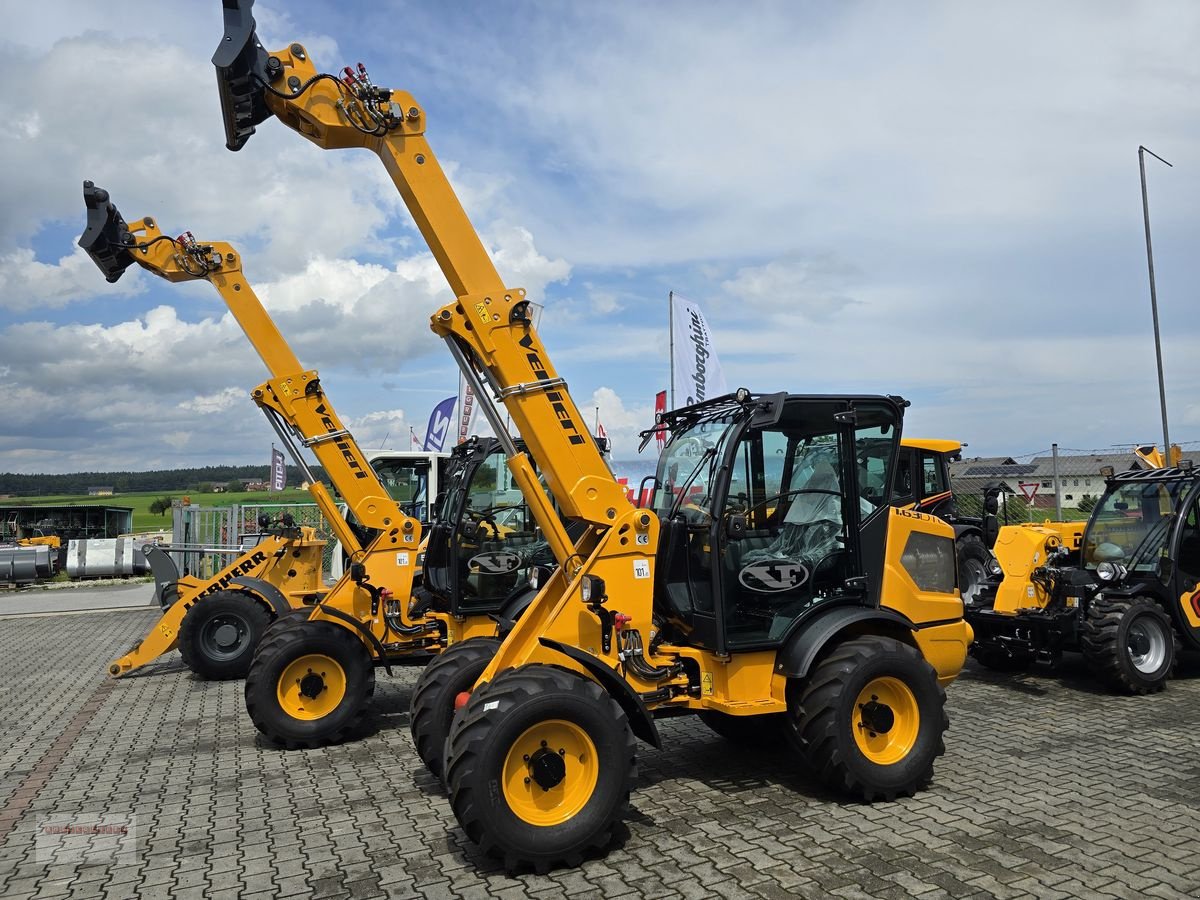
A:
(783, 598)
(311, 679)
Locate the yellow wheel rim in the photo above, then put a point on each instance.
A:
(886, 720)
(311, 686)
(550, 773)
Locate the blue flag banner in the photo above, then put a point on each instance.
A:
(439, 424)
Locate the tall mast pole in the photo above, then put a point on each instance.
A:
(1162, 390)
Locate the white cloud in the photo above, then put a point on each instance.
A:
(27, 284)
(216, 402)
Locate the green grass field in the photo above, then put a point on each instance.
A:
(144, 520)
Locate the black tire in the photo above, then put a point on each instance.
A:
(510, 712)
(1129, 644)
(287, 645)
(825, 716)
(218, 636)
(974, 563)
(762, 732)
(432, 705)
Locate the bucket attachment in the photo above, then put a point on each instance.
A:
(106, 238)
(241, 64)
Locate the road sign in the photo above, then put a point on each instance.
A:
(1029, 489)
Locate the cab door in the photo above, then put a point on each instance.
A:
(1184, 581)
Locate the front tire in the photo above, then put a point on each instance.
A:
(309, 684)
(869, 719)
(218, 635)
(432, 705)
(1129, 644)
(540, 764)
(973, 563)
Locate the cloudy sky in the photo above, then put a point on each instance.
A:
(935, 200)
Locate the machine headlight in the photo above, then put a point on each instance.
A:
(538, 576)
(592, 589)
(1107, 571)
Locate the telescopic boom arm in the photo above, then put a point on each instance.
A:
(291, 398)
(488, 328)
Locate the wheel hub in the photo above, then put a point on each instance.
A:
(547, 768)
(311, 685)
(1139, 644)
(886, 720)
(226, 635)
(877, 717)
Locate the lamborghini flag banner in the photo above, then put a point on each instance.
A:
(695, 370)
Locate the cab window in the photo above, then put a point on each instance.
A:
(934, 475)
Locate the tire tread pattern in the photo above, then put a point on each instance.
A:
(1102, 650)
(424, 706)
(282, 636)
(487, 706)
(189, 636)
(818, 720)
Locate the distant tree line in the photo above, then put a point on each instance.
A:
(135, 482)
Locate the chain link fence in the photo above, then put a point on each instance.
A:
(205, 539)
(1046, 484)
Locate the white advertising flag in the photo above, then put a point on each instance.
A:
(695, 370)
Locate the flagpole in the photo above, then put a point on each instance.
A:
(671, 341)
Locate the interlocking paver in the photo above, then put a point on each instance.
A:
(1049, 788)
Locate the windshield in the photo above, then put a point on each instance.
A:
(1131, 525)
(407, 482)
(687, 468)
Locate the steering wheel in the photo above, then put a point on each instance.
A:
(695, 448)
(482, 517)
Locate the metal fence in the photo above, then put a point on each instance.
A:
(1045, 484)
(204, 539)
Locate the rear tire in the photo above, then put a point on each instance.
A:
(870, 719)
(218, 636)
(973, 566)
(309, 684)
(540, 764)
(432, 705)
(1129, 644)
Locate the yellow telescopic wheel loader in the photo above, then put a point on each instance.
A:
(1122, 588)
(312, 676)
(778, 596)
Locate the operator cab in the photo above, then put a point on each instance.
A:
(1143, 538)
(770, 507)
(484, 539)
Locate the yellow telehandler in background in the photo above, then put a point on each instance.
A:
(782, 596)
(301, 696)
(1120, 588)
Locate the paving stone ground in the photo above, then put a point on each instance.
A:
(1049, 788)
